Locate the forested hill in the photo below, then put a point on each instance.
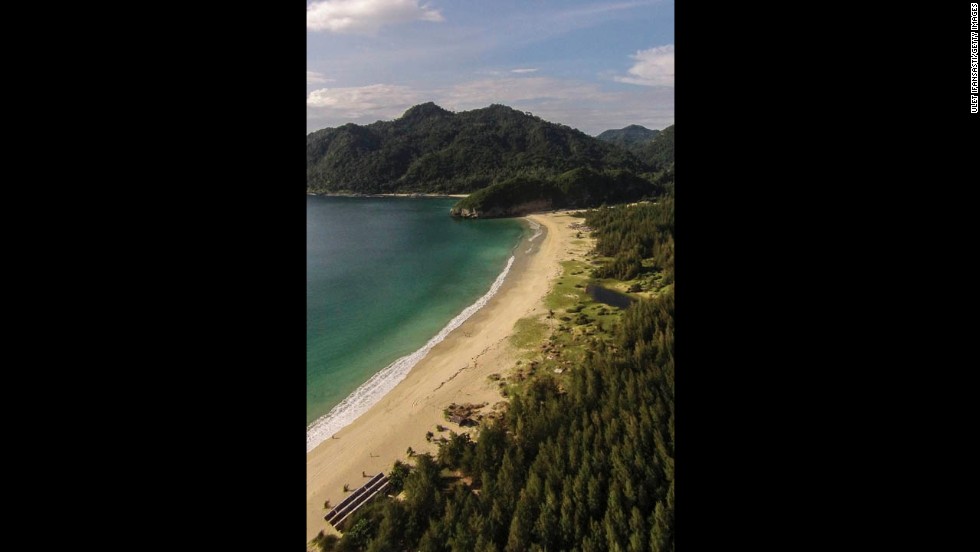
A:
(430, 149)
(628, 137)
(654, 148)
(659, 152)
(577, 188)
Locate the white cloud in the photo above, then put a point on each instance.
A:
(354, 103)
(509, 90)
(365, 16)
(605, 8)
(578, 104)
(654, 67)
(312, 77)
(523, 70)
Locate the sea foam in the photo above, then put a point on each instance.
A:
(537, 232)
(371, 392)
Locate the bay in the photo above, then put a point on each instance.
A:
(383, 276)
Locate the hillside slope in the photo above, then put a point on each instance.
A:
(430, 149)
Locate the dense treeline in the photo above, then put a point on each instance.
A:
(430, 149)
(631, 234)
(578, 188)
(658, 153)
(584, 461)
(589, 467)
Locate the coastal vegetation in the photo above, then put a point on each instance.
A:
(577, 188)
(582, 457)
(636, 240)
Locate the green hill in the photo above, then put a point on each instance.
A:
(654, 148)
(659, 152)
(577, 188)
(628, 137)
(430, 149)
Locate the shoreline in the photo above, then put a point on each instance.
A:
(392, 374)
(474, 350)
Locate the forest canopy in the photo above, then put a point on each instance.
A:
(584, 461)
(432, 150)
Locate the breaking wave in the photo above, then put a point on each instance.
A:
(368, 394)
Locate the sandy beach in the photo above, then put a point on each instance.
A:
(455, 370)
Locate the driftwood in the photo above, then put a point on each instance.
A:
(464, 414)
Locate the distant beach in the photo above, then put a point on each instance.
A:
(454, 369)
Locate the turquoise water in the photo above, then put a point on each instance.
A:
(383, 277)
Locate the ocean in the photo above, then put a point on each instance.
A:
(387, 279)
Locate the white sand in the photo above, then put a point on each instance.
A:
(455, 370)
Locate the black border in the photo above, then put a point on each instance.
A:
(805, 136)
(231, 220)
(821, 156)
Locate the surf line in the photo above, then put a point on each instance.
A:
(537, 232)
(381, 383)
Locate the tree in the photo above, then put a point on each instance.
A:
(357, 535)
(326, 543)
(396, 477)
(422, 496)
(583, 462)
(638, 532)
(519, 536)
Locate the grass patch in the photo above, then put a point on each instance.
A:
(569, 290)
(557, 346)
(528, 332)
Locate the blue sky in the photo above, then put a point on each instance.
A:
(592, 65)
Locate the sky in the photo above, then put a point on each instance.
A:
(591, 65)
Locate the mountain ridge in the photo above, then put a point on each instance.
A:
(432, 150)
(629, 137)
